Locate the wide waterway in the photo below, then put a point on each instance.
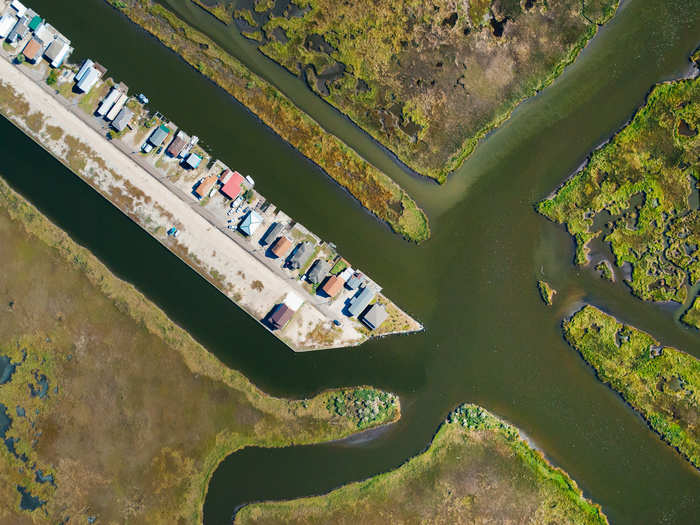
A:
(489, 338)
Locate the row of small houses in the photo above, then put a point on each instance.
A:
(372, 315)
(18, 23)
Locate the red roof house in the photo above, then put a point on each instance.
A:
(232, 188)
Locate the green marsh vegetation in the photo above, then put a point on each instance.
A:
(374, 189)
(477, 470)
(644, 178)
(546, 292)
(426, 79)
(136, 415)
(661, 383)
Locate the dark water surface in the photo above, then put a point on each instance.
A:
(489, 338)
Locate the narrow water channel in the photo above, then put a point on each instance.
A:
(489, 339)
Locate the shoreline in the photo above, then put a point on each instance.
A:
(196, 358)
(143, 197)
(372, 188)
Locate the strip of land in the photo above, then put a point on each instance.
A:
(639, 194)
(111, 412)
(477, 470)
(152, 190)
(374, 189)
(428, 80)
(659, 382)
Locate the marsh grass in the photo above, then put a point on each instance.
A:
(663, 388)
(476, 470)
(142, 414)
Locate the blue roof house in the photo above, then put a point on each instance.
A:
(250, 223)
(361, 301)
(192, 161)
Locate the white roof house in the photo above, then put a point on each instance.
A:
(293, 301)
(19, 7)
(45, 32)
(57, 52)
(7, 22)
(89, 80)
(118, 105)
(108, 102)
(84, 69)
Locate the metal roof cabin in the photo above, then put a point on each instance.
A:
(318, 271)
(250, 223)
(32, 51)
(232, 188)
(280, 316)
(36, 22)
(118, 105)
(89, 80)
(301, 255)
(7, 22)
(108, 102)
(361, 301)
(87, 65)
(193, 160)
(57, 52)
(19, 7)
(272, 233)
(354, 282)
(177, 145)
(159, 135)
(281, 247)
(375, 316)
(205, 185)
(122, 119)
(18, 32)
(332, 286)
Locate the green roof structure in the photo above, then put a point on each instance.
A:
(35, 23)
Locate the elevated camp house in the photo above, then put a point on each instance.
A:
(232, 187)
(192, 161)
(178, 144)
(58, 51)
(250, 223)
(361, 301)
(354, 282)
(7, 22)
(318, 271)
(88, 75)
(272, 233)
(332, 285)
(108, 102)
(158, 136)
(281, 247)
(33, 50)
(119, 104)
(300, 255)
(205, 186)
(375, 316)
(19, 31)
(282, 313)
(122, 119)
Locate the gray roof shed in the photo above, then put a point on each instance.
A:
(361, 301)
(318, 271)
(375, 316)
(122, 119)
